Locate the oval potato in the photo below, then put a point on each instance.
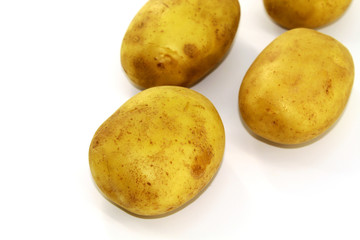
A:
(305, 13)
(158, 150)
(178, 42)
(297, 87)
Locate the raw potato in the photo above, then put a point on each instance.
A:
(158, 150)
(305, 13)
(178, 42)
(297, 87)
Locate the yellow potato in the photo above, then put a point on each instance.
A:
(158, 150)
(305, 13)
(178, 42)
(297, 87)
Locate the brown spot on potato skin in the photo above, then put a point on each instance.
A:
(203, 151)
(160, 65)
(328, 86)
(144, 72)
(140, 25)
(273, 55)
(201, 161)
(197, 171)
(191, 50)
(169, 209)
(135, 39)
(139, 63)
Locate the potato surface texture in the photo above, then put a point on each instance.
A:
(304, 13)
(178, 42)
(297, 87)
(158, 150)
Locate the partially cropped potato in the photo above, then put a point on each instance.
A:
(178, 42)
(158, 150)
(297, 87)
(305, 13)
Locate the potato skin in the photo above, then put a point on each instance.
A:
(297, 87)
(158, 150)
(178, 42)
(305, 13)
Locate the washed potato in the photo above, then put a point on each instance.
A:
(178, 42)
(297, 87)
(158, 150)
(305, 13)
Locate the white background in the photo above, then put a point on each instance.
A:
(61, 78)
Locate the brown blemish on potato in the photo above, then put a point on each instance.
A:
(143, 195)
(272, 56)
(163, 61)
(132, 199)
(197, 171)
(203, 152)
(328, 86)
(199, 106)
(135, 38)
(170, 208)
(191, 50)
(145, 74)
(169, 122)
(140, 25)
(94, 144)
(139, 63)
(220, 35)
(160, 65)
(296, 80)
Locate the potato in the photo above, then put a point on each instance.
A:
(178, 42)
(297, 87)
(305, 13)
(158, 150)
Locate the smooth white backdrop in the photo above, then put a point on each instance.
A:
(60, 78)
